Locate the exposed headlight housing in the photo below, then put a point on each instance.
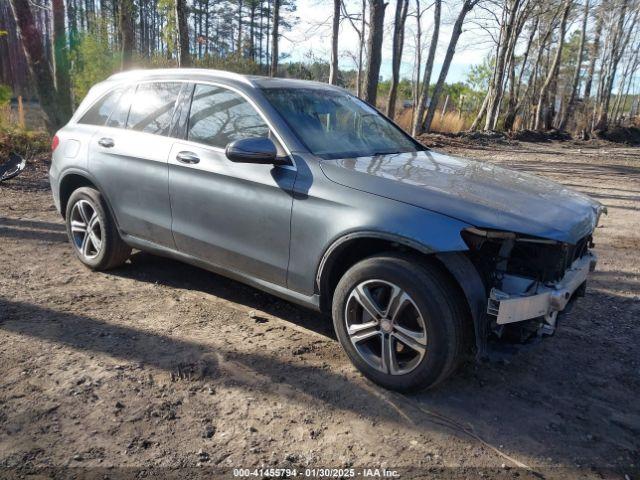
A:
(498, 252)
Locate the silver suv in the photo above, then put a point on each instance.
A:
(303, 190)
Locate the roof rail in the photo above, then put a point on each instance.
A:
(141, 73)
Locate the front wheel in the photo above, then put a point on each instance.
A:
(92, 231)
(400, 321)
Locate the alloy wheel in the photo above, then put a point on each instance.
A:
(386, 327)
(86, 229)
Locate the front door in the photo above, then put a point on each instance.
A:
(232, 215)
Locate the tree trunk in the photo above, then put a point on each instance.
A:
(207, 25)
(361, 51)
(402, 8)
(126, 20)
(61, 59)
(595, 51)
(374, 50)
(252, 31)
(621, 39)
(568, 111)
(553, 70)
(417, 64)
(73, 25)
(184, 57)
(41, 74)
(451, 49)
(239, 44)
(275, 38)
(428, 69)
(335, 30)
(495, 89)
(515, 101)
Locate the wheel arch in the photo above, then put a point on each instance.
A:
(74, 179)
(456, 266)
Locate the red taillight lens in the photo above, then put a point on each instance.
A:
(54, 143)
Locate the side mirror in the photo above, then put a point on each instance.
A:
(253, 150)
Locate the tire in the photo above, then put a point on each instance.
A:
(103, 248)
(430, 296)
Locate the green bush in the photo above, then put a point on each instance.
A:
(5, 94)
(28, 143)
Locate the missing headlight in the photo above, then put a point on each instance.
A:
(496, 253)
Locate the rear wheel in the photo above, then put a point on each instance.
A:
(399, 321)
(92, 231)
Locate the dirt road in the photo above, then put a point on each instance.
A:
(159, 366)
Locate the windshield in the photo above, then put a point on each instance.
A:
(334, 124)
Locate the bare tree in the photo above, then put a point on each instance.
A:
(239, 44)
(61, 58)
(39, 68)
(514, 15)
(335, 31)
(595, 52)
(360, 31)
(568, 111)
(467, 6)
(374, 49)
(417, 60)
(275, 39)
(619, 39)
(515, 99)
(553, 70)
(402, 9)
(428, 69)
(624, 83)
(184, 57)
(127, 32)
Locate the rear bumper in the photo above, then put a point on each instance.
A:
(544, 301)
(53, 181)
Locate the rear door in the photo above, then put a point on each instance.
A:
(232, 215)
(129, 159)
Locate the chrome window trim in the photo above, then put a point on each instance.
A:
(198, 144)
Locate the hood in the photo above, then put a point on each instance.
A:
(478, 193)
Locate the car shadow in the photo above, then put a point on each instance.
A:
(145, 267)
(244, 369)
(32, 230)
(503, 400)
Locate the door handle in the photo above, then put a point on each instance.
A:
(187, 157)
(106, 142)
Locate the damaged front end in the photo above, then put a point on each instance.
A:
(530, 280)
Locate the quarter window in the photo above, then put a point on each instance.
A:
(153, 106)
(118, 118)
(219, 116)
(100, 111)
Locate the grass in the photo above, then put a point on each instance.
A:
(450, 122)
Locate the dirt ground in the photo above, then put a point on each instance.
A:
(159, 368)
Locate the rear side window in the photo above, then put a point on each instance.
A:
(219, 116)
(118, 118)
(100, 111)
(152, 107)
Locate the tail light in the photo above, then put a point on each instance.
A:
(54, 143)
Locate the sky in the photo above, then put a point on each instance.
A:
(312, 33)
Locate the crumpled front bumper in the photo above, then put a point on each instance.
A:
(521, 299)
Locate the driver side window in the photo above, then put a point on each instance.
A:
(219, 116)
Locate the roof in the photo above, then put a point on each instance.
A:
(205, 73)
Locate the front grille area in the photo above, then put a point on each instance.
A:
(539, 260)
(545, 262)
